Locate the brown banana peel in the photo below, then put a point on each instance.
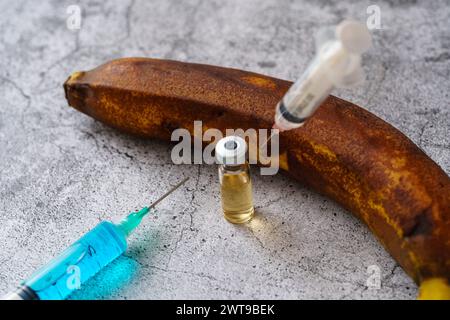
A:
(343, 151)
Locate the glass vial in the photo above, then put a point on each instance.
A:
(235, 182)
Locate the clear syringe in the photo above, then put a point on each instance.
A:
(83, 259)
(336, 64)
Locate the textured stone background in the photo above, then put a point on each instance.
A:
(62, 172)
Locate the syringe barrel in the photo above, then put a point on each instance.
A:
(83, 259)
(304, 96)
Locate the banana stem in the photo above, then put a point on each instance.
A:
(434, 289)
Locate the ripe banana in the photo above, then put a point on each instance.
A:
(343, 151)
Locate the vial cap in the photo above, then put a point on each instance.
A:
(354, 35)
(231, 150)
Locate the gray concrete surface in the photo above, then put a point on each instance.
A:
(62, 172)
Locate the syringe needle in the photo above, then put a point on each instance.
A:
(274, 133)
(131, 221)
(175, 187)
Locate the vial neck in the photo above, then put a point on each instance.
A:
(234, 167)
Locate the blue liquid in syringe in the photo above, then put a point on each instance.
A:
(84, 258)
(79, 262)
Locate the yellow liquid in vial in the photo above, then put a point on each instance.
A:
(237, 198)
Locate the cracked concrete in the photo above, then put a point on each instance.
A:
(62, 172)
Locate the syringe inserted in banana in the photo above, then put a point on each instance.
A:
(337, 64)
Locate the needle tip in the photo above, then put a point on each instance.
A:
(175, 187)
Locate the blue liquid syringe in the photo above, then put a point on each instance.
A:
(83, 259)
